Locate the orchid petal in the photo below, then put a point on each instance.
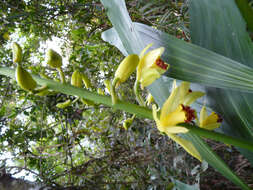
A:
(212, 126)
(212, 118)
(171, 103)
(187, 145)
(151, 57)
(154, 111)
(184, 90)
(174, 85)
(148, 77)
(144, 50)
(173, 118)
(203, 116)
(176, 129)
(192, 97)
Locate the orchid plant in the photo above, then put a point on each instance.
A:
(176, 117)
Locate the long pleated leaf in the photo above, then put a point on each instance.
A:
(218, 26)
(149, 35)
(117, 13)
(120, 19)
(193, 63)
(214, 160)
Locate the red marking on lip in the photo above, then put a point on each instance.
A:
(190, 113)
(219, 120)
(160, 63)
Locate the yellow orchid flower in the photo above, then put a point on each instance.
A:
(151, 66)
(210, 122)
(176, 110)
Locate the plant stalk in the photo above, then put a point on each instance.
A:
(128, 107)
(218, 137)
(86, 94)
(137, 93)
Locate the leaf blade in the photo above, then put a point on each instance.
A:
(226, 34)
(193, 63)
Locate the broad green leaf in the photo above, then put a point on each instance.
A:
(125, 31)
(214, 160)
(192, 63)
(177, 56)
(223, 30)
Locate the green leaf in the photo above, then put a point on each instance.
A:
(192, 63)
(246, 12)
(175, 56)
(125, 31)
(214, 160)
(219, 26)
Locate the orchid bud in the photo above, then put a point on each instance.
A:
(24, 79)
(17, 53)
(86, 81)
(126, 68)
(76, 79)
(6, 36)
(54, 59)
(63, 104)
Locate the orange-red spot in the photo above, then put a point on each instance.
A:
(190, 113)
(160, 63)
(219, 120)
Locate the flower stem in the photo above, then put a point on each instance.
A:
(62, 76)
(128, 107)
(86, 94)
(113, 90)
(218, 137)
(42, 88)
(137, 93)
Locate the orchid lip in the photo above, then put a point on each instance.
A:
(160, 63)
(190, 113)
(219, 120)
